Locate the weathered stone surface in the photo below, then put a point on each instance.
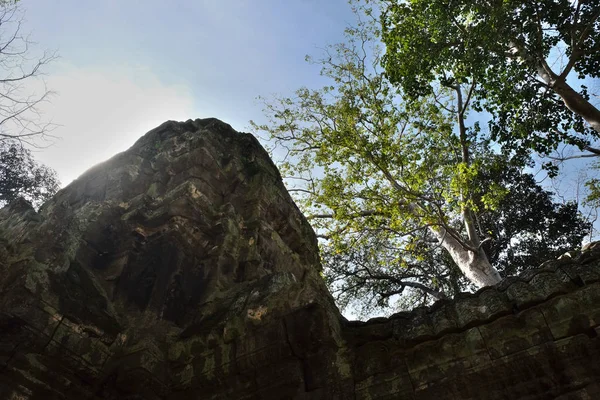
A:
(182, 269)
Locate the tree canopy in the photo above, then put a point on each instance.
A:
(22, 176)
(518, 56)
(404, 191)
(386, 170)
(527, 227)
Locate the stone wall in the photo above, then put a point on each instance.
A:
(533, 337)
(182, 269)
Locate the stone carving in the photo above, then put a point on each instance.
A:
(181, 269)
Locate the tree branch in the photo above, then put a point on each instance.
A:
(366, 213)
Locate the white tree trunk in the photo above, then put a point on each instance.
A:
(474, 264)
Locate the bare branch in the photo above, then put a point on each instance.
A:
(365, 213)
(20, 115)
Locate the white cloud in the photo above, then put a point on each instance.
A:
(103, 110)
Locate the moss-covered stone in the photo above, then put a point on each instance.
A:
(181, 268)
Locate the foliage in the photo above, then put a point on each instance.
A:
(525, 229)
(367, 278)
(384, 170)
(21, 176)
(528, 227)
(407, 198)
(510, 51)
(593, 197)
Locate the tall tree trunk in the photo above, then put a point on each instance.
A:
(472, 262)
(471, 259)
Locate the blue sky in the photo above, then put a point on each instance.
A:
(126, 66)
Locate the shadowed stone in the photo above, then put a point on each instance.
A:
(181, 268)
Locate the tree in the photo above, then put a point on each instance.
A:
(22, 90)
(21, 94)
(367, 278)
(400, 191)
(526, 228)
(21, 176)
(517, 56)
(400, 173)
